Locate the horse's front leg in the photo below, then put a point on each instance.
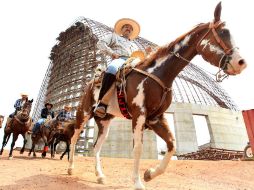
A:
(103, 129)
(24, 143)
(161, 128)
(138, 129)
(45, 149)
(14, 138)
(5, 139)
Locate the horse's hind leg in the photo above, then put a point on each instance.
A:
(161, 128)
(66, 150)
(32, 149)
(14, 138)
(24, 144)
(103, 129)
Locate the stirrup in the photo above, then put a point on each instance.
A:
(100, 111)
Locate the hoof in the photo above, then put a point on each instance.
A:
(10, 157)
(34, 155)
(147, 175)
(70, 171)
(43, 155)
(29, 154)
(101, 180)
(140, 188)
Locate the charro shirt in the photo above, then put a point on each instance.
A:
(113, 43)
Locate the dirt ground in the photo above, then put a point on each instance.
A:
(28, 173)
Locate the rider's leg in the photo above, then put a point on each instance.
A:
(108, 79)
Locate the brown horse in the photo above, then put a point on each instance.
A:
(65, 135)
(46, 132)
(19, 124)
(1, 120)
(148, 89)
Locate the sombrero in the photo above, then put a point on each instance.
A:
(23, 94)
(67, 106)
(120, 23)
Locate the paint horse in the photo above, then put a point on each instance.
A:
(19, 124)
(149, 91)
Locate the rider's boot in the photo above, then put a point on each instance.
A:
(106, 92)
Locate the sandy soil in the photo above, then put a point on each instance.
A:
(28, 173)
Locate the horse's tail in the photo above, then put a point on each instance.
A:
(85, 105)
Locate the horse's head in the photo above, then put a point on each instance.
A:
(218, 48)
(26, 108)
(1, 120)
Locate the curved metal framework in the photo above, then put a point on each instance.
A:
(75, 57)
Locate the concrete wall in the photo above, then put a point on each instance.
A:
(226, 127)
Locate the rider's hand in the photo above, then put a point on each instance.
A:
(114, 56)
(148, 50)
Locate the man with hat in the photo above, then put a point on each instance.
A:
(119, 46)
(18, 105)
(46, 113)
(65, 114)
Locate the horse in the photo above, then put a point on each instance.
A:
(46, 131)
(19, 124)
(65, 135)
(1, 120)
(148, 91)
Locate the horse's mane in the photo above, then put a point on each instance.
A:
(164, 50)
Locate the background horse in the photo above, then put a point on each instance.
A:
(149, 91)
(19, 124)
(65, 135)
(44, 133)
(1, 120)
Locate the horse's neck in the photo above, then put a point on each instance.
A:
(171, 65)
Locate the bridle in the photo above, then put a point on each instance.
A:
(220, 76)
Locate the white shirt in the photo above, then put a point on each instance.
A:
(114, 43)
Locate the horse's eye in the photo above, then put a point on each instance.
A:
(224, 32)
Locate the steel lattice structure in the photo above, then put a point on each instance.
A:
(75, 56)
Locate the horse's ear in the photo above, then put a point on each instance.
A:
(217, 13)
(31, 101)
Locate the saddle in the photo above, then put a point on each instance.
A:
(120, 83)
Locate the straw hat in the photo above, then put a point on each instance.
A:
(67, 106)
(138, 54)
(23, 94)
(120, 23)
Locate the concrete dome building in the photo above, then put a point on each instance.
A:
(72, 63)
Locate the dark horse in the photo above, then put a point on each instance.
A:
(46, 132)
(19, 124)
(148, 91)
(1, 120)
(65, 135)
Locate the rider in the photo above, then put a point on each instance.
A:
(119, 46)
(65, 114)
(46, 112)
(18, 105)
